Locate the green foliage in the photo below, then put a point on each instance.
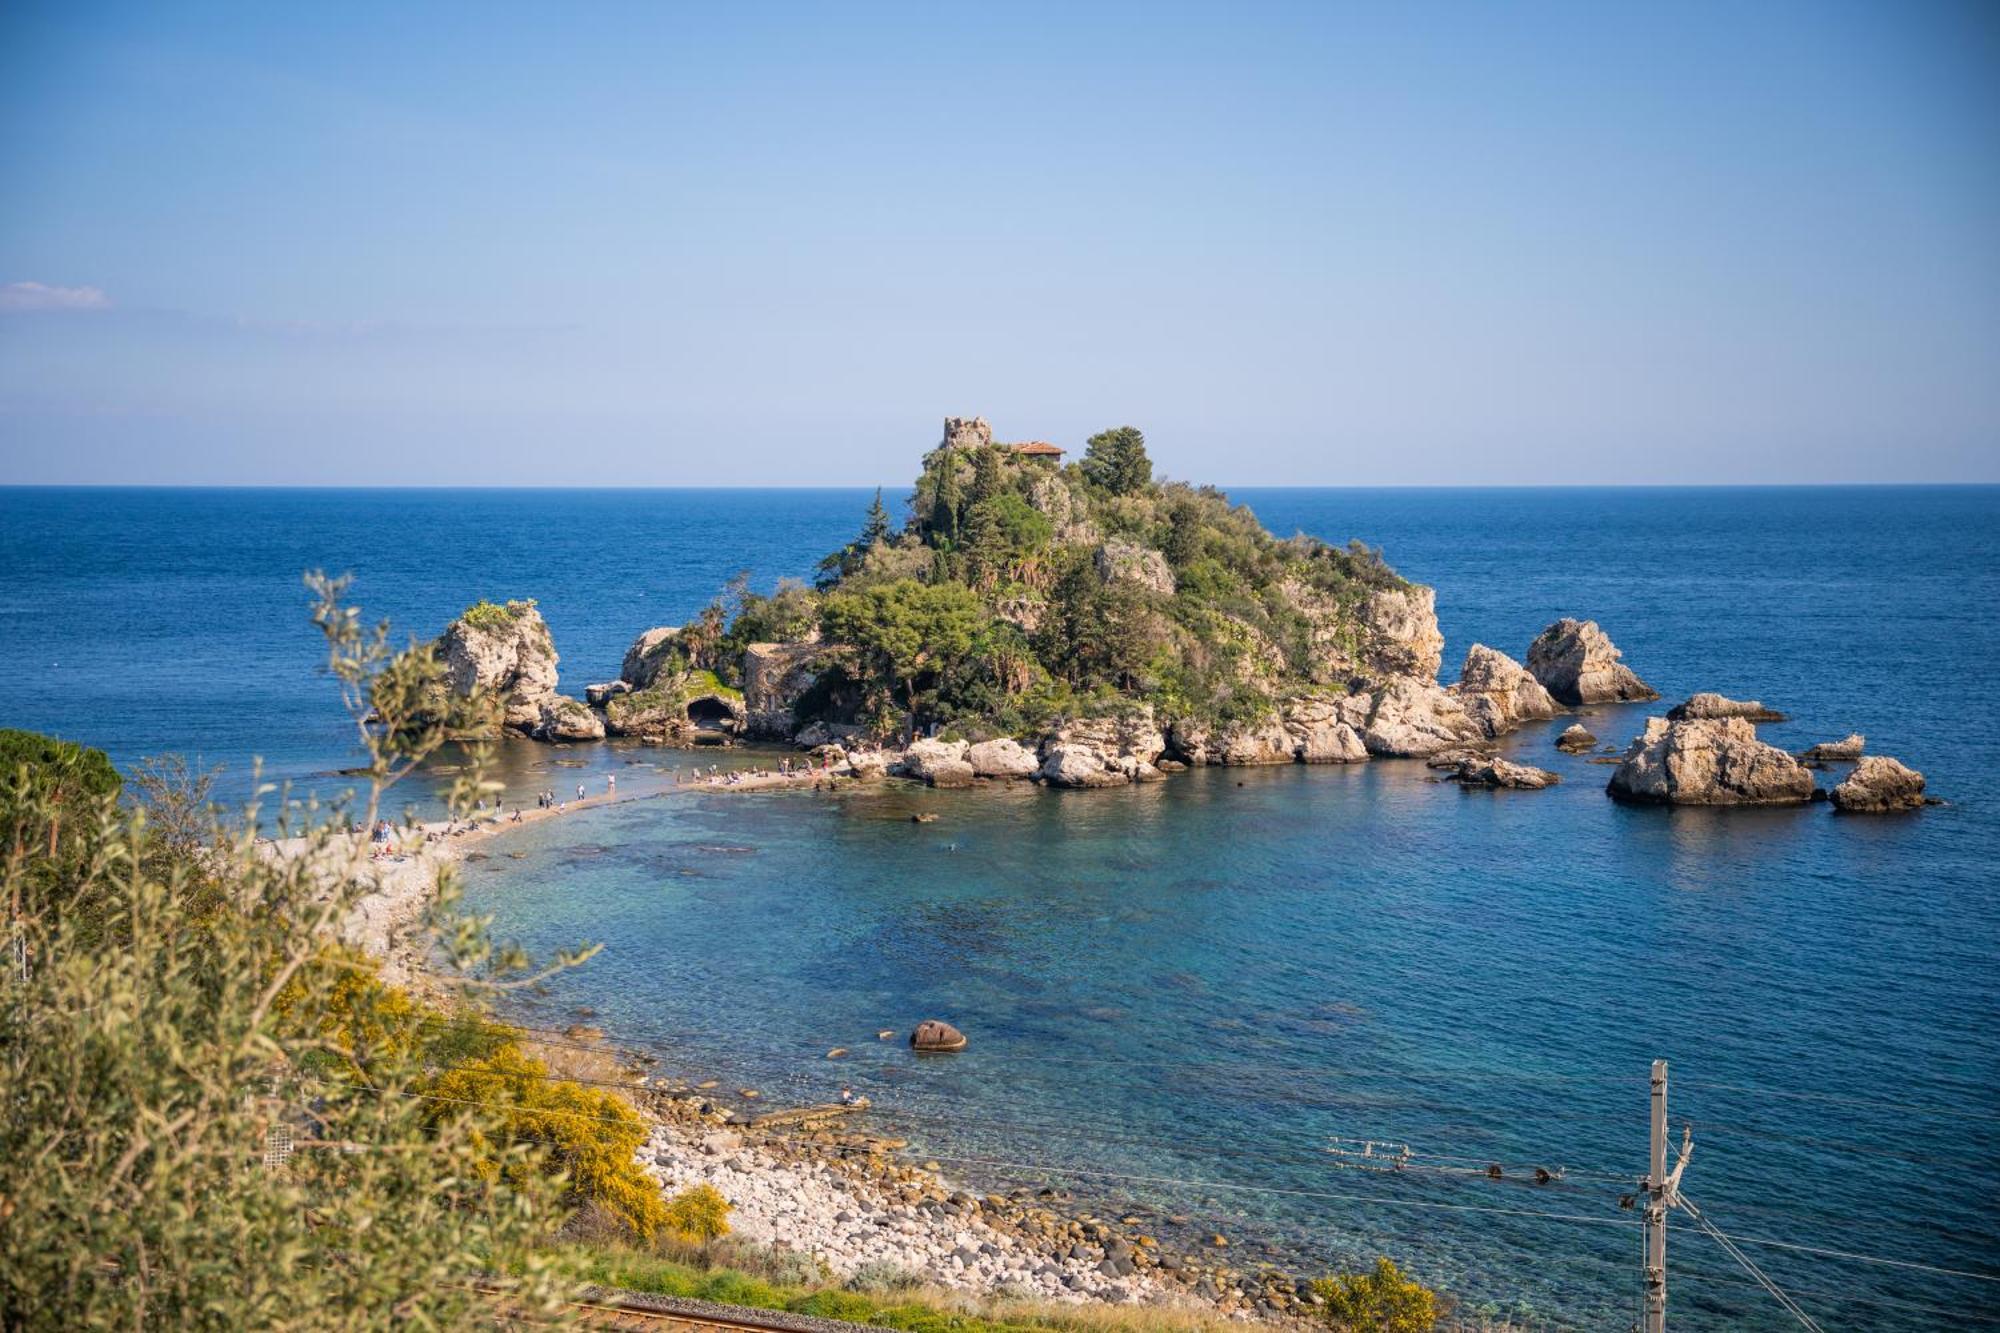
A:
(57, 799)
(1116, 460)
(1249, 619)
(146, 1083)
(787, 615)
(1381, 1301)
(488, 615)
(908, 634)
(698, 1214)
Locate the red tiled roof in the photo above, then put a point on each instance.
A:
(1038, 448)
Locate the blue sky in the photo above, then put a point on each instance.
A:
(722, 244)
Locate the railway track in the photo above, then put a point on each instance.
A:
(605, 1308)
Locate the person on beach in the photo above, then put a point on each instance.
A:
(579, 791)
(611, 784)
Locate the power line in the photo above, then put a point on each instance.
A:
(1762, 1279)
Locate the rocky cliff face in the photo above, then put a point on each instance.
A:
(774, 676)
(1577, 663)
(1712, 761)
(1498, 693)
(506, 651)
(1403, 635)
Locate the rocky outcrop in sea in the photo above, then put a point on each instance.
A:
(1708, 761)
(1578, 664)
(1880, 785)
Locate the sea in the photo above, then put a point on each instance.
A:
(1323, 1013)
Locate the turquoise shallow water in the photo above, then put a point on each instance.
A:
(1178, 995)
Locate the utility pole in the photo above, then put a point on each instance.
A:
(1656, 1208)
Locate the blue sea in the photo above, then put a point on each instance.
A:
(1189, 999)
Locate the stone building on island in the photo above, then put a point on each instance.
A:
(974, 433)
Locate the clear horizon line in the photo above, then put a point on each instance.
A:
(869, 485)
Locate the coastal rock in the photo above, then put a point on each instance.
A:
(1576, 739)
(1326, 730)
(1404, 636)
(507, 652)
(565, 719)
(599, 695)
(1131, 734)
(676, 708)
(1120, 560)
(867, 765)
(1878, 785)
(1831, 751)
(1498, 693)
(1254, 743)
(1577, 663)
(1710, 761)
(1002, 758)
(775, 675)
(940, 763)
(1078, 765)
(655, 653)
(1335, 743)
(1500, 773)
(937, 1035)
(1708, 704)
(1413, 718)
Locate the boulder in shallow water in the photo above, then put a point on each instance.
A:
(1834, 751)
(1413, 718)
(1708, 761)
(1577, 663)
(1879, 785)
(1576, 739)
(1078, 765)
(566, 719)
(1499, 693)
(940, 763)
(1498, 773)
(1002, 758)
(1709, 705)
(936, 1035)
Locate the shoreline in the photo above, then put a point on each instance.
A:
(836, 1192)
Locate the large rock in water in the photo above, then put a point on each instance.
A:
(1576, 739)
(1414, 718)
(1709, 704)
(934, 1034)
(940, 763)
(1715, 761)
(507, 652)
(1878, 785)
(566, 719)
(1498, 693)
(1577, 663)
(1497, 773)
(1002, 758)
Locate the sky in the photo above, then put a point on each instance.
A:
(748, 244)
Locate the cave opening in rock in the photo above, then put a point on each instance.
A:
(710, 712)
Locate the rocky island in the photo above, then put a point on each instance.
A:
(1084, 624)
(1088, 625)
